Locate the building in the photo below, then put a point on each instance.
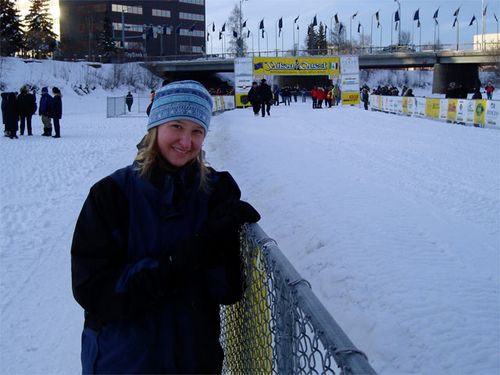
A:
(141, 28)
(487, 42)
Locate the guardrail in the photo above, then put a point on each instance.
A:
(280, 326)
(477, 112)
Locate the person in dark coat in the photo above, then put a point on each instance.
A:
(27, 107)
(151, 98)
(365, 97)
(44, 110)
(129, 100)
(155, 249)
(266, 97)
(56, 112)
(409, 93)
(254, 98)
(477, 93)
(10, 114)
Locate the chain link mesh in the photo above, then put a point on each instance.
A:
(267, 332)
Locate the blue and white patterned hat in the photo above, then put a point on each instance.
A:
(182, 100)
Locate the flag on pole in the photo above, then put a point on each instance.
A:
(213, 27)
(235, 34)
(296, 19)
(315, 22)
(436, 13)
(416, 16)
(208, 37)
(280, 25)
(223, 27)
(359, 27)
(192, 27)
(261, 24)
(340, 28)
(220, 35)
(376, 16)
(354, 15)
(263, 33)
(244, 24)
(495, 15)
(436, 21)
(378, 24)
(396, 27)
(472, 20)
(456, 12)
(484, 10)
(248, 34)
(336, 18)
(454, 22)
(418, 23)
(396, 16)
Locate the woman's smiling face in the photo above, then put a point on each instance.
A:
(180, 141)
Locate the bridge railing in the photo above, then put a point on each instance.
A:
(280, 326)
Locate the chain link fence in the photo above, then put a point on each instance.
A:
(280, 327)
(116, 106)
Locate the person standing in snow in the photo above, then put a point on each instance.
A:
(10, 114)
(44, 110)
(266, 96)
(27, 107)
(155, 249)
(254, 98)
(56, 112)
(489, 90)
(129, 100)
(365, 97)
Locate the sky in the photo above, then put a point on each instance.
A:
(218, 11)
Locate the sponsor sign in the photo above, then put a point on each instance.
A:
(493, 113)
(432, 108)
(296, 66)
(479, 111)
(350, 82)
(349, 65)
(461, 111)
(470, 111)
(349, 98)
(243, 78)
(443, 109)
(420, 107)
(452, 110)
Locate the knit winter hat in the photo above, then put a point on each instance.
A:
(45, 89)
(182, 100)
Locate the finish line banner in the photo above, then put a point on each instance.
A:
(298, 66)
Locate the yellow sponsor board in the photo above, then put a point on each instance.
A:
(405, 104)
(351, 97)
(432, 108)
(452, 109)
(479, 111)
(242, 100)
(296, 66)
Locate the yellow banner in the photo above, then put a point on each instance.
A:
(479, 111)
(452, 109)
(405, 104)
(296, 66)
(350, 97)
(432, 108)
(241, 100)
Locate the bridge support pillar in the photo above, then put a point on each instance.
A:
(466, 75)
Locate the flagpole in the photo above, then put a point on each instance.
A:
(371, 34)
(276, 37)
(293, 36)
(392, 18)
(380, 37)
(282, 46)
(482, 25)
(258, 40)
(420, 38)
(458, 33)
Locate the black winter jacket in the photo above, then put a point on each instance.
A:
(56, 111)
(143, 315)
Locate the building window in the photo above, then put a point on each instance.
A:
(126, 9)
(191, 16)
(161, 13)
(128, 27)
(196, 33)
(197, 49)
(197, 2)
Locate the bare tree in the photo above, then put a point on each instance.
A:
(237, 44)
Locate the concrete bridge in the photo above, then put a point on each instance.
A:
(458, 66)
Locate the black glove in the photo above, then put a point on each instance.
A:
(229, 216)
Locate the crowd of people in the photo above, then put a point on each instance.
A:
(19, 108)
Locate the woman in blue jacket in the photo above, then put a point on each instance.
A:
(156, 249)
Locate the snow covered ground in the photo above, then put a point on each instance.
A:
(395, 221)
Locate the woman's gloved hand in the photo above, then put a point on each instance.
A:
(229, 216)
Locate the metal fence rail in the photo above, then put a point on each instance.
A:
(280, 326)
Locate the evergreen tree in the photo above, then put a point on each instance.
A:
(39, 37)
(312, 40)
(321, 40)
(11, 35)
(237, 44)
(107, 46)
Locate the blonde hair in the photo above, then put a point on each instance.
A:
(149, 154)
